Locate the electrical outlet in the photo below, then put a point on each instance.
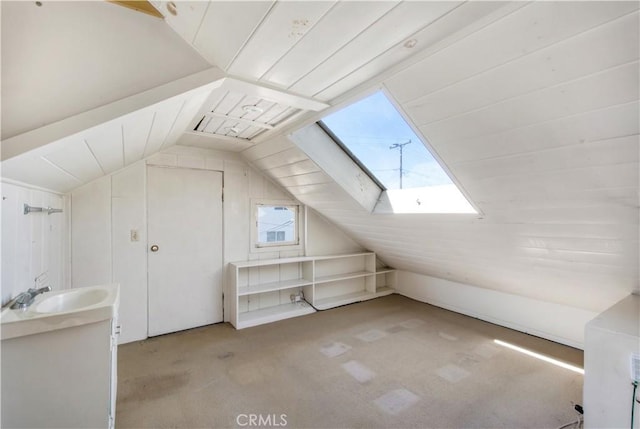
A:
(635, 366)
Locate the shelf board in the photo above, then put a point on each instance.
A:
(335, 301)
(273, 286)
(384, 291)
(263, 262)
(346, 276)
(346, 255)
(272, 314)
(385, 270)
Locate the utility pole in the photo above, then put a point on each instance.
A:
(400, 146)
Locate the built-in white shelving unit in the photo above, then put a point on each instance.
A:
(268, 290)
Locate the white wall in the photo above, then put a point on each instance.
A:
(556, 322)
(32, 244)
(107, 209)
(324, 238)
(610, 340)
(103, 214)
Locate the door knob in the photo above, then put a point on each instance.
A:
(154, 248)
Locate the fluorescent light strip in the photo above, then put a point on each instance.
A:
(541, 357)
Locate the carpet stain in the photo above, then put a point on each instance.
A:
(154, 386)
(397, 328)
(225, 355)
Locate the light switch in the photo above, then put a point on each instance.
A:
(134, 235)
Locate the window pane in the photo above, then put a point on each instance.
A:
(277, 224)
(382, 141)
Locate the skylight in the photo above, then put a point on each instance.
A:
(378, 138)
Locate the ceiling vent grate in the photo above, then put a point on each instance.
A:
(241, 116)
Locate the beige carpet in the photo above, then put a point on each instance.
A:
(387, 363)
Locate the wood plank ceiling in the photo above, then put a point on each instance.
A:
(316, 49)
(536, 115)
(75, 160)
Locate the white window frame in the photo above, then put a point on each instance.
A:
(296, 244)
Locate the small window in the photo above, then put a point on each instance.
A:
(276, 225)
(273, 236)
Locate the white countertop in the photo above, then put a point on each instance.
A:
(18, 323)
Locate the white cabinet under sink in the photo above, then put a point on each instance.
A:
(57, 370)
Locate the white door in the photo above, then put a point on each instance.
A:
(184, 211)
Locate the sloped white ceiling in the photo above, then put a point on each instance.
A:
(72, 161)
(317, 49)
(536, 115)
(67, 57)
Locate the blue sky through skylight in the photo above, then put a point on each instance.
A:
(369, 128)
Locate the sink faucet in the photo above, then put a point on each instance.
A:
(25, 299)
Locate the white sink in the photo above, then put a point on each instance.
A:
(71, 300)
(61, 309)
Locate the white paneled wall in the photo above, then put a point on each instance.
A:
(35, 244)
(103, 213)
(91, 233)
(325, 238)
(107, 210)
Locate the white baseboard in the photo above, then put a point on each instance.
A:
(560, 323)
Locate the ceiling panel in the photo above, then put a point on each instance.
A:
(614, 43)
(615, 86)
(396, 26)
(35, 170)
(232, 22)
(184, 17)
(77, 160)
(184, 118)
(164, 117)
(454, 25)
(337, 28)
(599, 124)
(241, 116)
(135, 132)
(106, 144)
(286, 24)
(522, 32)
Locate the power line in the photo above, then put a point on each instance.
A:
(400, 146)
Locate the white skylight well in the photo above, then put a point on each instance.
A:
(377, 137)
